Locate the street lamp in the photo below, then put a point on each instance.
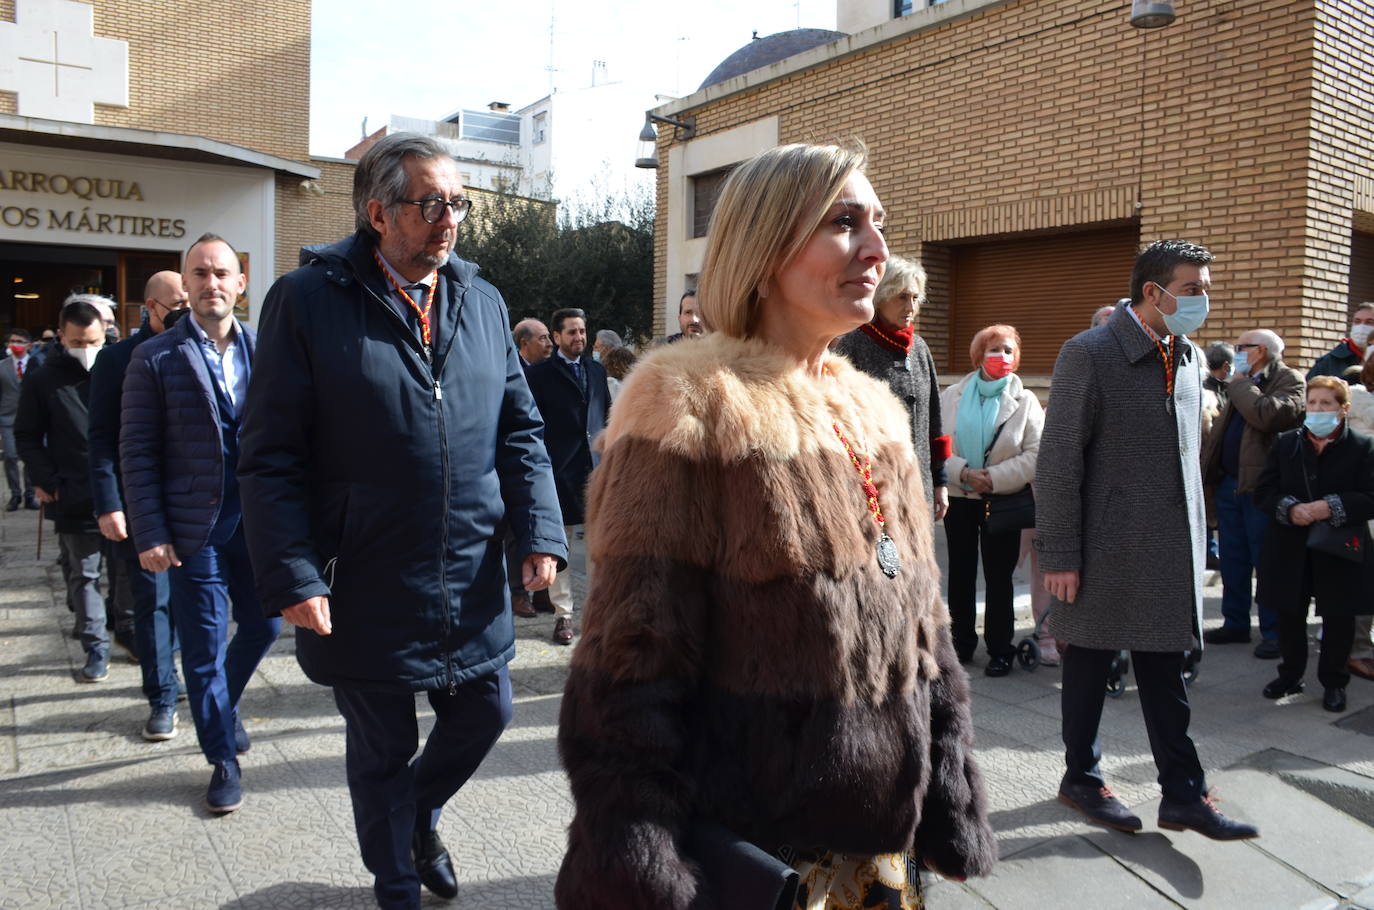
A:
(1151, 13)
(648, 137)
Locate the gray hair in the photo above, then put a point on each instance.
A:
(1220, 354)
(105, 305)
(381, 173)
(1270, 342)
(524, 330)
(900, 275)
(608, 339)
(1103, 313)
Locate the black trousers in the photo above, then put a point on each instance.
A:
(394, 797)
(1338, 636)
(965, 536)
(1163, 701)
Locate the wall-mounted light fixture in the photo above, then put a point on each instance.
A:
(648, 137)
(1152, 13)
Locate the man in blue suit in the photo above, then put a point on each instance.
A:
(572, 394)
(184, 398)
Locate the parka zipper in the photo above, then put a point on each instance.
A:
(427, 356)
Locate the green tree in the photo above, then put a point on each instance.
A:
(598, 257)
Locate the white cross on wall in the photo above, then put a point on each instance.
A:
(52, 59)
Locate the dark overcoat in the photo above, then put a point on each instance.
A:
(1343, 474)
(50, 433)
(378, 478)
(1118, 490)
(913, 380)
(107, 389)
(574, 414)
(171, 451)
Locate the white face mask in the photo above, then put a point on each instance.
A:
(1360, 334)
(84, 356)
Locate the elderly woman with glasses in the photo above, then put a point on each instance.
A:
(764, 645)
(888, 348)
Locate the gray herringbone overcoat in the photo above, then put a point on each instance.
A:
(1118, 491)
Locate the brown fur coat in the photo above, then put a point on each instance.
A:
(743, 657)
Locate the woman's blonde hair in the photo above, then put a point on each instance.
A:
(767, 211)
(1337, 387)
(980, 343)
(900, 275)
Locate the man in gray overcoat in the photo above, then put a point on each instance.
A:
(1120, 527)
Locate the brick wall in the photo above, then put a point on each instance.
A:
(1047, 114)
(236, 71)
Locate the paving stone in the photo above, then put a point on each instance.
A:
(1203, 874)
(1042, 876)
(1329, 846)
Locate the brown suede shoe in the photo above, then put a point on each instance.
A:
(1361, 666)
(520, 605)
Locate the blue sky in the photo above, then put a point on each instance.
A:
(427, 58)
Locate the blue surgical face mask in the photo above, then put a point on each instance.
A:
(596, 355)
(1243, 363)
(1322, 423)
(1189, 315)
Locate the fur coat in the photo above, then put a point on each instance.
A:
(743, 657)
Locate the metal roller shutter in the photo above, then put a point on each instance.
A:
(1047, 287)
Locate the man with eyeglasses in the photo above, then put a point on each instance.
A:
(1264, 397)
(154, 638)
(389, 433)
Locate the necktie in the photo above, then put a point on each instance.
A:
(417, 294)
(19, 368)
(577, 370)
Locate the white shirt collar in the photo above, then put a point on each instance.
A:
(400, 279)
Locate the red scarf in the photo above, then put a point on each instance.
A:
(898, 340)
(1354, 348)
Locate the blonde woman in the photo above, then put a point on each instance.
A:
(764, 645)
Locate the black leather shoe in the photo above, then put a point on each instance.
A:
(1222, 635)
(1281, 687)
(1202, 816)
(1268, 649)
(998, 666)
(13, 505)
(433, 865)
(1100, 805)
(965, 657)
(31, 504)
(1334, 699)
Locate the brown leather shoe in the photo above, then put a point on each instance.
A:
(520, 605)
(563, 630)
(1361, 666)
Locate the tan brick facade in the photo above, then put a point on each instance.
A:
(1243, 126)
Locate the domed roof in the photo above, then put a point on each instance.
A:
(763, 51)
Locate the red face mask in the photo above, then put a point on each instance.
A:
(997, 365)
(18, 350)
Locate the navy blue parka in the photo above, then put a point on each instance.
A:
(378, 478)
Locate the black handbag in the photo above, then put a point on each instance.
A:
(1324, 537)
(1343, 543)
(739, 875)
(1007, 512)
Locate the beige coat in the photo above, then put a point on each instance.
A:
(1011, 461)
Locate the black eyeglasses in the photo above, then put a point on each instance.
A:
(432, 207)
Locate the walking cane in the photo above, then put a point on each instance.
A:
(39, 555)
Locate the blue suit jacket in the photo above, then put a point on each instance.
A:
(170, 449)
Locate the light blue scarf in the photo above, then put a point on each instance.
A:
(976, 422)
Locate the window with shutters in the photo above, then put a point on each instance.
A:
(1048, 287)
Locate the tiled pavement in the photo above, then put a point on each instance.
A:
(93, 817)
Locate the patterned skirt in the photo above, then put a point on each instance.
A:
(841, 881)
